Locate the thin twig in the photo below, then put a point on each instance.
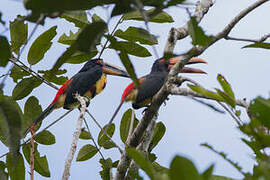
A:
(211, 106)
(93, 140)
(111, 34)
(31, 72)
(76, 136)
(47, 127)
(232, 115)
(105, 133)
(262, 39)
(188, 92)
(3, 75)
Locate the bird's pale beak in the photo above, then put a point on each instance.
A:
(194, 60)
(114, 70)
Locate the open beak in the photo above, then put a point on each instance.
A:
(194, 60)
(114, 70)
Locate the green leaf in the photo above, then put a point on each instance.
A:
(15, 171)
(125, 124)
(3, 131)
(115, 163)
(131, 48)
(25, 87)
(106, 165)
(86, 152)
(134, 34)
(80, 57)
(53, 76)
(40, 162)
(41, 45)
(3, 174)
(140, 159)
(220, 178)
(227, 98)
(161, 17)
(205, 92)
(18, 33)
(125, 60)
(86, 42)
(45, 137)
(69, 39)
(260, 109)
(79, 18)
(151, 156)
(1, 21)
(32, 110)
(207, 174)
(157, 136)
(175, 2)
(96, 18)
(129, 67)
(17, 73)
(105, 141)
(258, 45)
(85, 134)
(4, 51)
(121, 7)
(238, 113)
(184, 169)
(62, 59)
(197, 34)
(90, 36)
(50, 6)
(225, 86)
(160, 168)
(11, 115)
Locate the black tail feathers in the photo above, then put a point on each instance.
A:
(42, 116)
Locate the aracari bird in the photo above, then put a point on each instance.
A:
(152, 83)
(89, 82)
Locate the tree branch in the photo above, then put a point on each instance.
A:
(31, 72)
(162, 95)
(202, 8)
(262, 39)
(76, 136)
(105, 133)
(143, 146)
(187, 92)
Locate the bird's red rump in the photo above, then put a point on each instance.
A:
(61, 90)
(126, 92)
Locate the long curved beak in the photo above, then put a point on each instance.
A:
(114, 70)
(194, 60)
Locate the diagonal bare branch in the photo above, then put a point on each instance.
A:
(76, 135)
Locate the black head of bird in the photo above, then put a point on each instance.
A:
(105, 67)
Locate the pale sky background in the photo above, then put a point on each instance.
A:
(188, 123)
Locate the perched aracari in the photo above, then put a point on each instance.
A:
(89, 82)
(152, 83)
